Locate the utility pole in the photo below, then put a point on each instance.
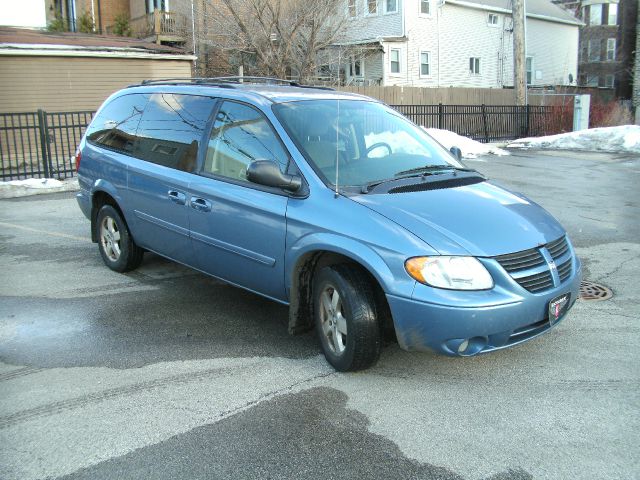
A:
(519, 52)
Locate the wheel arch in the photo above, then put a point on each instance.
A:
(311, 259)
(102, 194)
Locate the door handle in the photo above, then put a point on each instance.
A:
(177, 197)
(200, 204)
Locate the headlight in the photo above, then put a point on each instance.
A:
(454, 273)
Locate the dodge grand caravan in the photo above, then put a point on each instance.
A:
(331, 203)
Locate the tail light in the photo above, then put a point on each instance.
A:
(77, 157)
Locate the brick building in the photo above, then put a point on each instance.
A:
(607, 43)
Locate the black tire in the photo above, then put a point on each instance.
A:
(118, 250)
(359, 346)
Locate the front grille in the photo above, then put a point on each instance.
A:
(516, 264)
(512, 262)
(537, 282)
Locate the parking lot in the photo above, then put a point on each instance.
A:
(165, 373)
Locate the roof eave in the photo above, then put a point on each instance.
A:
(48, 50)
(490, 8)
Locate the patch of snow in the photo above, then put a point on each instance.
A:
(470, 148)
(34, 186)
(625, 138)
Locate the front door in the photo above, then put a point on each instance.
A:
(238, 228)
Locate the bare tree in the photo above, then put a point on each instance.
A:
(281, 38)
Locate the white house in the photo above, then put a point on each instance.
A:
(458, 43)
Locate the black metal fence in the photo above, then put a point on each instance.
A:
(41, 144)
(491, 123)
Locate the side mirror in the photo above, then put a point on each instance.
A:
(456, 152)
(267, 172)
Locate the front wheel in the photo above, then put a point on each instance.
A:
(118, 250)
(345, 317)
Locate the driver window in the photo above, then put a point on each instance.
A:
(239, 136)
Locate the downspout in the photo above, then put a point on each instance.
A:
(526, 86)
(193, 38)
(439, 5)
(93, 15)
(404, 32)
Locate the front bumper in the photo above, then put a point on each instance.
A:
(486, 321)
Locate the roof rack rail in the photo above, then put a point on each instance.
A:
(180, 80)
(229, 82)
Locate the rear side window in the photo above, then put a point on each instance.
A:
(171, 129)
(115, 126)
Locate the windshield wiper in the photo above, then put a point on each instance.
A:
(432, 168)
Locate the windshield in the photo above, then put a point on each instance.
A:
(368, 141)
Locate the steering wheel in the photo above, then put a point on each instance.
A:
(377, 145)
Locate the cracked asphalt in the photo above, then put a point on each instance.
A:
(164, 373)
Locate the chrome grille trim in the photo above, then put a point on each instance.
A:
(565, 270)
(537, 282)
(558, 248)
(512, 262)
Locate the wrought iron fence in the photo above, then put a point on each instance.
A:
(41, 144)
(491, 123)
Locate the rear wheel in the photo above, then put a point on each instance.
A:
(118, 250)
(345, 317)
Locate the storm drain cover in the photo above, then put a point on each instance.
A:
(594, 291)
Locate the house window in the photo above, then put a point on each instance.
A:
(351, 8)
(394, 56)
(372, 7)
(425, 61)
(593, 50)
(592, 80)
(391, 6)
(595, 14)
(425, 7)
(612, 17)
(611, 48)
(529, 68)
(355, 67)
(493, 20)
(609, 81)
(474, 66)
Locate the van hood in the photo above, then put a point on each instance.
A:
(483, 220)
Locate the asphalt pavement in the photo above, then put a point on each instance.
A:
(164, 373)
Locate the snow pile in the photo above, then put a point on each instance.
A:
(625, 138)
(33, 186)
(470, 148)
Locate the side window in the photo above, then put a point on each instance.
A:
(171, 129)
(239, 136)
(115, 126)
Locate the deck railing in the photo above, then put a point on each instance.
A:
(158, 24)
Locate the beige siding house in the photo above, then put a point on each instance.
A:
(69, 72)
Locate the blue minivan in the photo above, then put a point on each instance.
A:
(331, 203)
